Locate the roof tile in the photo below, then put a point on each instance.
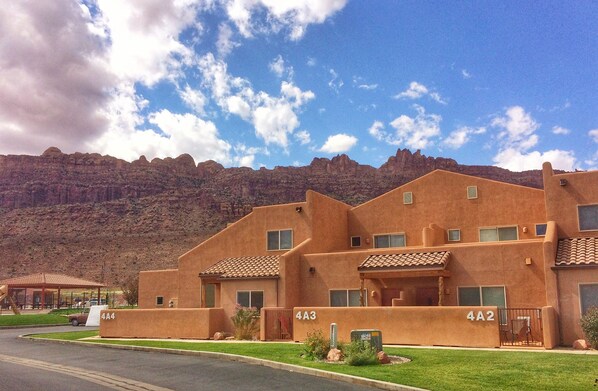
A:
(406, 261)
(577, 252)
(245, 267)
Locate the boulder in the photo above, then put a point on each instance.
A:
(219, 336)
(383, 357)
(580, 344)
(334, 355)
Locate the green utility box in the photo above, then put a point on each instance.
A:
(374, 337)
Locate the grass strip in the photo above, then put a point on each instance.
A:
(433, 369)
(32, 320)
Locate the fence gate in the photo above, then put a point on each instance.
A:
(521, 327)
(279, 324)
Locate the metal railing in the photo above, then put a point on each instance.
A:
(521, 327)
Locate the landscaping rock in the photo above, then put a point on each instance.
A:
(334, 355)
(219, 336)
(383, 358)
(580, 344)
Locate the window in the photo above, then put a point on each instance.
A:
(472, 192)
(250, 299)
(390, 240)
(159, 300)
(540, 229)
(346, 298)
(407, 198)
(588, 217)
(280, 240)
(482, 295)
(498, 234)
(454, 235)
(210, 299)
(588, 296)
(355, 241)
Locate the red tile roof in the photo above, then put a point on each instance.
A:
(577, 252)
(265, 266)
(50, 281)
(407, 261)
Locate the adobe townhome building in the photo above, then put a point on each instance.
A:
(447, 259)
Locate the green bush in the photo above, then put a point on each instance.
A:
(316, 346)
(589, 325)
(358, 353)
(247, 322)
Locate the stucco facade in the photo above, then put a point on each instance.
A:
(445, 239)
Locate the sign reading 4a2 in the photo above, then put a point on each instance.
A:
(306, 315)
(488, 316)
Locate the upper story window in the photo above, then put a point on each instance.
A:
(472, 192)
(407, 198)
(280, 240)
(389, 240)
(454, 235)
(346, 298)
(355, 241)
(497, 234)
(540, 229)
(159, 300)
(588, 217)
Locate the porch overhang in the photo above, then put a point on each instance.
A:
(380, 275)
(405, 265)
(243, 268)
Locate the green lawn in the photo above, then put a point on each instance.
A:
(434, 369)
(27, 320)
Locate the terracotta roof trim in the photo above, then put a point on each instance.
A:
(406, 261)
(251, 267)
(577, 252)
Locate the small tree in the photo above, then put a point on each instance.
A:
(130, 288)
(316, 345)
(589, 325)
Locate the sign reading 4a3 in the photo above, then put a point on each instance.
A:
(306, 315)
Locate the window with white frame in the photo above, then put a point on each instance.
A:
(588, 217)
(588, 296)
(498, 234)
(355, 241)
(346, 298)
(407, 198)
(454, 235)
(250, 299)
(389, 240)
(541, 229)
(159, 300)
(280, 240)
(472, 192)
(482, 295)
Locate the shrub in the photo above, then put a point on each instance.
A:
(246, 321)
(589, 325)
(316, 346)
(359, 353)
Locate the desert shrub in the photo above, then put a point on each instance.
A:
(589, 325)
(316, 346)
(246, 321)
(359, 353)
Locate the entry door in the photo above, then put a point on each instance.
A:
(426, 296)
(388, 294)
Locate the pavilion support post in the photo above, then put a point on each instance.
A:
(43, 298)
(58, 304)
(440, 291)
(99, 301)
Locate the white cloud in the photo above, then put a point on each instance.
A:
(465, 74)
(461, 136)
(418, 132)
(279, 68)
(293, 16)
(225, 43)
(377, 131)
(368, 86)
(515, 160)
(339, 143)
(336, 83)
(303, 137)
(560, 130)
(517, 128)
(417, 90)
(245, 156)
(311, 62)
(194, 99)
(594, 135)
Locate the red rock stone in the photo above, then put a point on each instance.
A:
(383, 357)
(334, 355)
(580, 344)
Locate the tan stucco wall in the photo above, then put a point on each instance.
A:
(441, 198)
(229, 291)
(562, 201)
(570, 305)
(445, 326)
(155, 283)
(550, 328)
(162, 323)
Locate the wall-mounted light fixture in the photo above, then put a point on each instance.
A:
(298, 209)
(524, 230)
(563, 182)
(528, 261)
(312, 269)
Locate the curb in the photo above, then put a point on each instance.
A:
(248, 360)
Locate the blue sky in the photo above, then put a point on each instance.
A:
(267, 82)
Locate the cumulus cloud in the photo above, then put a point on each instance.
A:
(339, 143)
(517, 135)
(303, 137)
(293, 16)
(225, 43)
(461, 136)
(417, 90)
(560, 130)
(279, 68)
(194, 99)
(416, 132)
(594, 135)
